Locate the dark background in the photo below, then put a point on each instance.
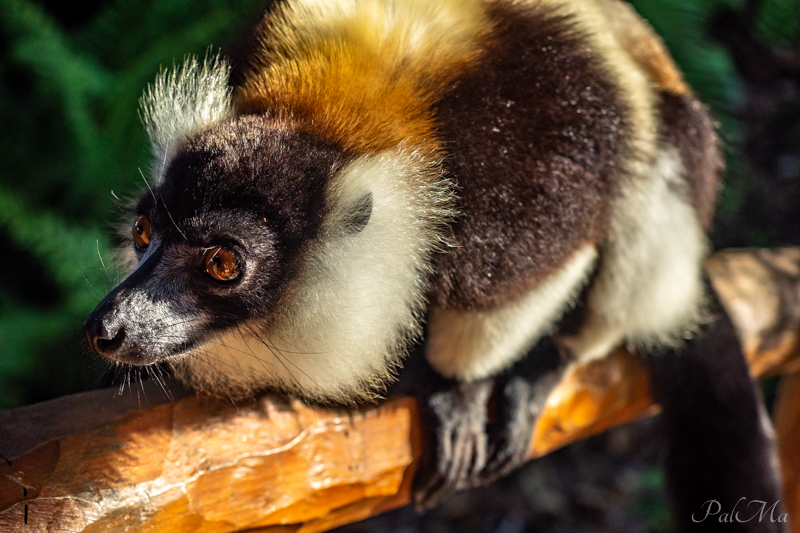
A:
(71, 146)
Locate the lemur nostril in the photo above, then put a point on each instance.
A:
(107, 346)
(100, 339)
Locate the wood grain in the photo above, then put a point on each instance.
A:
(787, 427)
(760, 289)
(591, 398)
(197, 465)
(98, 462)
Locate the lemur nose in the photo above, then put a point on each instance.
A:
(100, 339)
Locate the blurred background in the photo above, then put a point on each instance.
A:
(71, 146)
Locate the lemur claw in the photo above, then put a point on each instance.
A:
(459, 419)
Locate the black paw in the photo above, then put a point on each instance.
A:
(477, 433)
(480, 431)
(519, 403)
(511, 433)
(456, 421)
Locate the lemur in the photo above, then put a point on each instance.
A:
(359, 171)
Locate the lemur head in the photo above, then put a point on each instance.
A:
(265, 254)
(219, 238)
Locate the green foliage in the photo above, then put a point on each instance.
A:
(778, 23)
(707, 67)
(71, 143)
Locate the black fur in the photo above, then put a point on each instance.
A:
(533, 132)
(687, 126)
(717, 448)
(252, 180)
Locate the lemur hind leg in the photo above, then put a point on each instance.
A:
(520, 396)
(469, 350)
(720, 460)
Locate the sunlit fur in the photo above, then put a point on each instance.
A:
(470, 345)
(358, 301)
(645, 47)
(365, 71)
(364, 75)
(182, 101)
(649, 291)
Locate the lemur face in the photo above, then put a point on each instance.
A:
(218, 240)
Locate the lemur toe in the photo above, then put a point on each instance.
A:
(478, 432)
(517, 406)
(457, 421)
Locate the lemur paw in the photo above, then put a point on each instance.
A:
(511, 433)
(481, 431)
(470, 450)
(457, 420)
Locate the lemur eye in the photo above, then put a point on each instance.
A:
(141, 232)
(221, 264)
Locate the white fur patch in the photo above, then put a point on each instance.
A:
(473, 345)
(359, 300)
(183, 101)
(649, 288)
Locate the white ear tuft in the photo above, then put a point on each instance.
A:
(184, 100)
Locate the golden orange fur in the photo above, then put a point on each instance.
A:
(645, 47)
(368, 88)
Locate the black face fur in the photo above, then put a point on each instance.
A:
(250, 185)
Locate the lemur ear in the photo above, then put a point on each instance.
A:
(358, 215)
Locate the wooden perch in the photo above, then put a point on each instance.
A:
(95, 463)
(787, 427)
(760, 289)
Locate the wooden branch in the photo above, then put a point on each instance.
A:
(760, 289)
(197, 465)
(95, 463)
(787, 427)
